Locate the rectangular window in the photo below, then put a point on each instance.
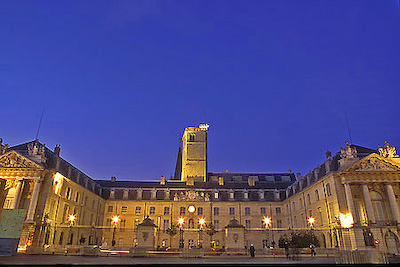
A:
(138, 210)
(279, 223)
(262, 210)
(166, 210)
(199, 211)
(182, 211)
(248, 224)
(216, 211)
(68, 193)
(152, 210)
(166, 224)
(110, 209)
(77, 197)
(216, 224)
(124, 209)
(246, 211)
(231, 211)
(278, 210)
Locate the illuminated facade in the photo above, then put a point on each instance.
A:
(349, 201)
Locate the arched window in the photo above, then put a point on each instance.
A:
(60, 242)
(301, 203)
(316, 195)
(328, 189)
(192, 137)
(191, 224)
(378, 206)
(308, 199)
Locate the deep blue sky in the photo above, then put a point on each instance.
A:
(120, 80)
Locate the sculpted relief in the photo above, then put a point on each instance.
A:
(374, 165)
(191, 195)
(388, 151)
(13, 160)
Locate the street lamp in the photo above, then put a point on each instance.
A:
(267, 224)
(181, 221)
(115, 220)
(202, 222)
(71, 219)
(311, 222)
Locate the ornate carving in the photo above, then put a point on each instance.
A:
(388, 151)
(10, 183)
(191, 195)
(374, 165)
(36, 149)
(348, 152)
(13, 160)
(3, 148)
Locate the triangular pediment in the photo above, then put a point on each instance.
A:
(15, 160)
(374, 162)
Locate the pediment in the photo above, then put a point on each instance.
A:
(15, 160)
(374, 162)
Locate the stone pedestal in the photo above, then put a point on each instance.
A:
(234, 236)
(146, 235)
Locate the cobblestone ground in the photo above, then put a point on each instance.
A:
(114, 260)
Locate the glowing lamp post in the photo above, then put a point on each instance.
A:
(181, 221)
(202, 222)
(71, 219)
(267, 224)
(311, 222)
(115, 220)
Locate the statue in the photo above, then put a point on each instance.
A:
(387, 151)
(3, 148)
(348, 152)
(328, 154)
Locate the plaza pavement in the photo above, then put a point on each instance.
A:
(118, 260)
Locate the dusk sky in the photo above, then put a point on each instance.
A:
(120, 80)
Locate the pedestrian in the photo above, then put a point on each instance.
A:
(287, 250)
(313, 253)
(252, 251)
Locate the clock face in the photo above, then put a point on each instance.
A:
(191, 209)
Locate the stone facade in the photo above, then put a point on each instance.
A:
(349, 201)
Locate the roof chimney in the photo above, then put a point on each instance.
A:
(113, 178)
(57, 150)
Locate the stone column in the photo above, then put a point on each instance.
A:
(166, 194)
(261, 194)
(154, 193)
(368, 203)
(17, 195)
(231, 195)
(126, 193)
(34, 200)
(139, 194)
(112, 194)
(393, 205)
(245, 195)
(349, 199)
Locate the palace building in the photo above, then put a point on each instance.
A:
(350, 201)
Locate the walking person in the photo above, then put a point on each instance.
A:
(313, 253)
(287, 250)
(252, 251)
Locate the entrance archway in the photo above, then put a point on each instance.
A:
(392, 243)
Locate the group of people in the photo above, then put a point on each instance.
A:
(252, 250)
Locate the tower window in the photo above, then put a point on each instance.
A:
(216, 211)
(166, 210)
(192, 137)
(182, 211)
(152, 210)
(231, 211)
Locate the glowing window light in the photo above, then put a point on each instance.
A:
(191, 209)
(346, 220)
